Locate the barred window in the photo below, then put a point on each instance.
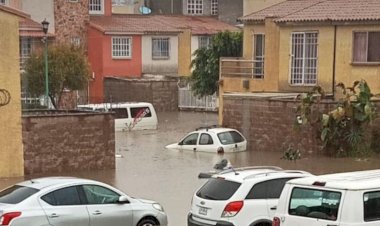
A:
(121, 2)
(96, 6)
(76, 41)
(214, 7)
(258, 55)
(204, 41)
(25, 51)
(121, 47)
(195, 7)
(3, 2)
(160, 48)
(304, 58)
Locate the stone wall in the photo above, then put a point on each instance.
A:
(269, 124)
(162, 93)
(68, 142)
(70, 21)
(229, 11)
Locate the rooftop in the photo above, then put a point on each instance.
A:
(146, 24)
(318, 11)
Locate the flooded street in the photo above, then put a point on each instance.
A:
(145, 169)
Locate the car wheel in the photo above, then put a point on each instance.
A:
(263, 224)
(147, 222)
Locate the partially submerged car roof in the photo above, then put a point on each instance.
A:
(359, 180)
(44, 182)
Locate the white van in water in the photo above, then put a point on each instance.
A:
(128, 115)
(342, 199)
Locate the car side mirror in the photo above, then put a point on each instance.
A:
(123, 199)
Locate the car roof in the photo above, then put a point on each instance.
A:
(116, 105)
(45, 182)
(251, 173)
(215, 130)
(359, 180)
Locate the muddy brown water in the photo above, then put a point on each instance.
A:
(145, 169)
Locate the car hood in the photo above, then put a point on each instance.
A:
(146, 201)
(172, 146)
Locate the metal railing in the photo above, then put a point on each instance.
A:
(187, 100)
(241, 68)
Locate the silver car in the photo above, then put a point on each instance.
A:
(63, 201)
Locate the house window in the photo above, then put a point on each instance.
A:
(258, 55)
(76, 41)
(366, 47)
(25, 51)
(214, 7)
(195, 7)
(120, 2)
(121, 47)
(304, 57)
(160, 48)
(204, 41)
(3, 2)
(96, 6)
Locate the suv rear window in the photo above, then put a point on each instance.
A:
(315, 203)
(218, 189)
(371, 206)
(16, 194)
(230, 137)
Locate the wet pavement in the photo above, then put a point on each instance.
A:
(145, 169)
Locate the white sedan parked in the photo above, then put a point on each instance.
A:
(63, 201)
(211, 139)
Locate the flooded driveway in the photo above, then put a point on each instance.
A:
(145, 169)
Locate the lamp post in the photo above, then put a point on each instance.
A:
(45, 27)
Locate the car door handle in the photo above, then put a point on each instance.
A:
(97, 212)
(53, 215)
(273, 208)
(194, 149)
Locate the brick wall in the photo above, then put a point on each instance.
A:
(68, 142)
(162, 93)
(269, 124)
(70, 20)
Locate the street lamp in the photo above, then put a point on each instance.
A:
(45, 27)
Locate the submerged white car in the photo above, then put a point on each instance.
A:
(63, 201)
(211, 139)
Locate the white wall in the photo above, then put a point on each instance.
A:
(164, 66)
(39, 10)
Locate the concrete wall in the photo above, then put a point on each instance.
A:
(162, 93)
(268, 124)
(165, 6)
(68, 142)
(185, 51)
(229, 11)
(11, 160)
(160, 66)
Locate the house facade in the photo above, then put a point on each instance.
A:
(251, 6)
(11, 162)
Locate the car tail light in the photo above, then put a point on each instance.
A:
(220, 150)
(276, 221)
(232, 209)
(8, 217)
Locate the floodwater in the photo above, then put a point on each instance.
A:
(145, 169)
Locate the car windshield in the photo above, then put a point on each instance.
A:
(230, 137)
(16, 194)
(218, 189)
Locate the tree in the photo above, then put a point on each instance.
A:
(68, 69)
(205, 75)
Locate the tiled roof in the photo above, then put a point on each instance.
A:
(319, 10)
(14, 11)
(143, 24)
(31, 28)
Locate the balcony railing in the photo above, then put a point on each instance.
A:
(241, 68)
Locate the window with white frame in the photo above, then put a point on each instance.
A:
(204, 41)
(25, 50)
(195, 7)
(121, 47)
(366, 47)
(76, 41)
(96, 6)
(160, 48)
(258, 55)
(3, 2)
(214, 7)
(304, 58)
(121, 2)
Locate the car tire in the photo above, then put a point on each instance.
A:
(147, 222)
(263, 224)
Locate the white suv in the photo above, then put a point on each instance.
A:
(240, 197)
(344, 199)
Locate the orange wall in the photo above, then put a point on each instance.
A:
(108, 7)
(102, 64)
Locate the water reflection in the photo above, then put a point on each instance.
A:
(145, 169)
